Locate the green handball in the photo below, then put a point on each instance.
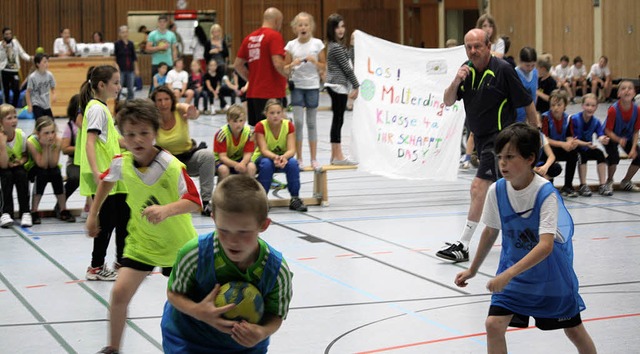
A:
(248, 300)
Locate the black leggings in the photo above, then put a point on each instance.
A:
(11, 83)
(15, 176)
(114, 214)
(338, 106)
(571, 157)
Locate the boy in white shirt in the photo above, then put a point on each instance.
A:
(178, 79)
(578, 76)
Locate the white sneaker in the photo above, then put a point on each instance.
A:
(26, 221)
(101, 273)
(6, 221)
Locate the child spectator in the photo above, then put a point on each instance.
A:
(562, 74)
(535, 275)
(212, 82)
(305, 58)
(44, 150)
(69, 139)
(125, 53)
(600, 78)
(39, 84)
(558, 128)
(275, 149)
(233, 146)
(196, 81)
(178, 80)
(547, 166)
(578, 76)
(507, 45)
(14, 142)
(488, 24)
(622, 128)
(229, 87)
(546, 84)
(584, 126)
(528, 75)
(191, 323)
(161, 196)
(160, 78)
(99, 143)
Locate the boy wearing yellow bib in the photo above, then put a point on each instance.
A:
(161, 196)
(233, 146)
(275, 148)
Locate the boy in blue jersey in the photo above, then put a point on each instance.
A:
(558, 128)
(585, 124)
(535, 275)
(623, 124)
(191, 323)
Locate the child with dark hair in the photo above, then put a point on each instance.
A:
(39, 84)
(535, 276)
(528, 75)
(546, 85)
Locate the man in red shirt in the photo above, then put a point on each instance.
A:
(263, 51)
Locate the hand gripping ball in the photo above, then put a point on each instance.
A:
(248, 300)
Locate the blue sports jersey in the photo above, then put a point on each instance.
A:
(550, 288)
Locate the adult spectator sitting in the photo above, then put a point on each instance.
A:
(174, 137)
(10, 53)
(600, 77)
(64, 46)
(96, 37)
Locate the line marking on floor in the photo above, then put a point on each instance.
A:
(473, 335)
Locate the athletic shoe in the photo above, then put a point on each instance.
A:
(454, 252)
(35, 218)
(297, 204)
(26, 220)
(6, 221)
(108, 350)
(604, 190)
(629, 186)
(465, 162)
(584, 190)
(206, 210)
(101, 273)
(345, 162)
(568, 192)
(65, 215)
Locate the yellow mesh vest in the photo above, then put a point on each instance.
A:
(234, 152)
(278, 146)
(105, 151)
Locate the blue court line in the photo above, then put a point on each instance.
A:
(392, 305)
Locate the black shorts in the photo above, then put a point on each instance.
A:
(545, 324)
(130, 263)
(488, 167)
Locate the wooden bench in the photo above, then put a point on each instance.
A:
(320, 188)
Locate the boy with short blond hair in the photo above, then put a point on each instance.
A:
(622, 128)
(191, 322)
(558, 128)
(233, 145)
(585, 124)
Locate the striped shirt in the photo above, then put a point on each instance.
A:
(183, 277)
(339, 69)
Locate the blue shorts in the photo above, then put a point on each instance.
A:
(305, 97)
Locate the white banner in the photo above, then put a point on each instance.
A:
(401, 127)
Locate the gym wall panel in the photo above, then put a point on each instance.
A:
(568, 29)
(517, 22)
(620, 38)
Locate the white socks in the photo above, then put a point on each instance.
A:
(467, 233)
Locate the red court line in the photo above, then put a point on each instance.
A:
(421, 249)
(346, 255)
(599, 238)
(2, 290)
(382, 252)
(35, 286)
(307, 258)
(75, 281)
(632, 236)
(448, 339)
